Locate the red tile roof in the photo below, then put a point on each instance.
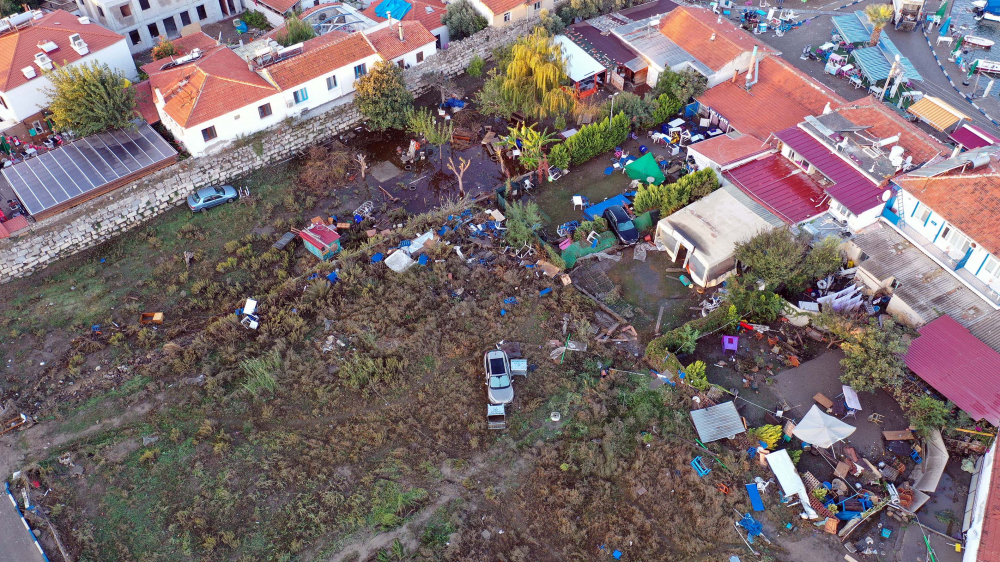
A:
(387, 43)
(280, 6)
(11, 226)
(970, 201)
(850, 187)
(430, 20)
(972, 137)
(321, 55)
(782, 98)
(884, 122)
(691, 28)
(498, 7)
(18, 49)
(144, 103)
(217, 83)
(723, 149)
(199, 40)
(784, 189)
(959, 366)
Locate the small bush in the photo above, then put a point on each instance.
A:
(255, 19)
(476, 65)
(695, 375)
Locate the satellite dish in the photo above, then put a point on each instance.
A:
(886, 195)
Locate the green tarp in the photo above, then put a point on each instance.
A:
(645, 168)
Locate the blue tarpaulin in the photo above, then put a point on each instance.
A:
(596, 210)
(755, 501)
(398, 9)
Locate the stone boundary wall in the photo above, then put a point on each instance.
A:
(123, 209)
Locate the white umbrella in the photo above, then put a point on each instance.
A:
(821, 430)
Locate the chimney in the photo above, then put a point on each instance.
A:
(755, 64)
(712, 38)
(401, 32)
(388, 15)
(957, 151)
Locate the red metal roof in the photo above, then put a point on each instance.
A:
(959, 366)
(989, 540)
(784, 189)
(971, 137)
(850, 187)
(319, 236)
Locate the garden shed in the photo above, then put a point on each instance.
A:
(320, 239)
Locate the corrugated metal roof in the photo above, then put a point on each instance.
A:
(783, 188)
(851, 29)
(938, 113)
(924, 286)
(656, 47)
(872, 63)
(850, 187)
(987, 329)
(755, 207)
(959, 366)
(875, 62)
(717, 422)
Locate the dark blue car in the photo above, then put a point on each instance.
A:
(622, 224)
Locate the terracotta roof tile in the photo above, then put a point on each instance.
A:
(144, 104)
(969, 201)
(430, 20)
(782, 98)
(18, 49)
(281, 6)
(184, 46)
(217, 83)
(500, 6)
(724, 149)
(320, 55)
(387, 43)
(691, 28)
(884, 122)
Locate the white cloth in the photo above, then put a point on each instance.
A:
(821, 430)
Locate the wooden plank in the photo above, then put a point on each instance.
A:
(902, 435)
(822, 400)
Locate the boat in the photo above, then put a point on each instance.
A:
(977, 42)
(985, 66)
(979, 4)
(986, 17)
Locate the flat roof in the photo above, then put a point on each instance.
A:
(716, 223)
(579, 65)
(87, 167)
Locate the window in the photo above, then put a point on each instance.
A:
(135, 37)
(202, 15)
(126, 10)
(153, 31)
(144, 4)
(300, 95)
(100, 11)
(400, 63)
(955, 239)
(991, 266)
(264, 110)
(923, 215)
(841, 210)
(420, 56)
(538, 6)
(185, 18)
(331, 82)
(360, 70)
(208, 133)
(506, 16)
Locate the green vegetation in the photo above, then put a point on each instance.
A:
(476, 65)
(553, 24)
(522, 221)
(532, 144)
(463, 20)
(873, 354)
(256, 19)
(878, 15)
(779, 258)
(164, 49)
(673, 196)
(382, 97)
(681, 86)
(90, 98)
(530, 80)
(596, 138)
(296, 31)
(927, 413)
(695, 374)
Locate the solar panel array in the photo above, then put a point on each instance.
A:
(85, 165)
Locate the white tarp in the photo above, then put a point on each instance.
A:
(399, 261)
(851, 398)
(821, 430)
(789, 480)
(935, 459)
(579, 65)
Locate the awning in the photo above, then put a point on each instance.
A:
(972, 137)
(851, 29)
(579, 64)
(935, 457)
(821, 430)
(788, 478)
(937, 113)
(717, 422)
(645, 169)
(851, 397)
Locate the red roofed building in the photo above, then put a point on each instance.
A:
(715, 44)
(321, 240)
(499, 13)
(426, 13)
(723, 152)
(406, 43)
(781, 97)
(780, 186)
(39, 41)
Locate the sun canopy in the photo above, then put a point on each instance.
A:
(590, 213)
(851, 397)
(937, 113)
(788, 478)
(645, 168)
(821, 430)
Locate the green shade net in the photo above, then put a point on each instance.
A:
(645, 168)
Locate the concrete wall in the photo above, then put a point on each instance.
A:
(105, 217)
(158, 11)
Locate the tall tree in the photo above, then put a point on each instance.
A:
(873, 356)
(296, 31)
(89, 98)
(682, 85)
(773, 256)
(534, 77)
(381, 96)
(879, 15)
(462, 20)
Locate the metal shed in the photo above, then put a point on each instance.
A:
(717, 422)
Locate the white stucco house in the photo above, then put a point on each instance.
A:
(499, 13)
(145, 21)
(33, 43)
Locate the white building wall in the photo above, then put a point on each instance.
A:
(158, 11)
(29, 98)
(411, 57)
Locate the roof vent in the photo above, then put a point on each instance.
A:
(29, 72)
(712, 38)
(84, 20)
(430, 9)
(43, 61)
(79, 45)
(47, 46)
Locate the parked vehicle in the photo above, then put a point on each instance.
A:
(621, 224)
(208, 197)
(499, 388)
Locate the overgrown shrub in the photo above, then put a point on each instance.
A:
(695, 375)
(927, 413)
(522, 220)
(476, 65)
(671, 197)
(559, 156)
(591, 140)
(325, 169)
(255, 19)
(873, 356)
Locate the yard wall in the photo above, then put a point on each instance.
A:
(105, 217)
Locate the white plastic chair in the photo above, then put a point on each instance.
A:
(577, 202)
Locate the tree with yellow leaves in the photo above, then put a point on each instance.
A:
(534, 78)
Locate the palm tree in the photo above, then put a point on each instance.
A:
(879, 15)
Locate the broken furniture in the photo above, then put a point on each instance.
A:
(875, 419)
(822, 400)
(730, 343)
(13, 423)
(700, 467)
(151, 318)
(755, 500)
(901, 435)
(249, 320)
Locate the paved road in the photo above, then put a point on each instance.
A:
(16, 543)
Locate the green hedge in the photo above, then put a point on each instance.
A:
(596, 138)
